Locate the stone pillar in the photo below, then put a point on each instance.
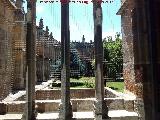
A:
(135, 49)
(147, 64)
(100, 108)
(140, 27)
(31, 61)
(140, 54)
(43, 58)
(152, 85)
(65, 106)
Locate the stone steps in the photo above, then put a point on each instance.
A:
(77, 105)
(114, 114)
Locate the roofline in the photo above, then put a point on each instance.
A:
(130, 3)
(123, 6)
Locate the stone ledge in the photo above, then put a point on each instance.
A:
(78, 93)
(53, 94)
(77, 105)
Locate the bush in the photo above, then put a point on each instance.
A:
(89, 85)
(113, 55)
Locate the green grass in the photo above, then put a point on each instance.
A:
(89, 82)
(89, 79)
(84, 82)
(118, 86)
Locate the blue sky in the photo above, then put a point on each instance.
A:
(81, 19)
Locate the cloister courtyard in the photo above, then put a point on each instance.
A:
(45, 77)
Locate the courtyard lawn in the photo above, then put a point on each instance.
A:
(118, 86)
(89, 82)
(82, 79)
(84, 82)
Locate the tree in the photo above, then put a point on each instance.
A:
(113, 54)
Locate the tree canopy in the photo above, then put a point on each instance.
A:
(113, 54)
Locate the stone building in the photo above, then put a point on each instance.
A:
(85, 51)
(48, 52)
(12, 46)
(19, 47)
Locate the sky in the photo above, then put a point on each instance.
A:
(80, 17)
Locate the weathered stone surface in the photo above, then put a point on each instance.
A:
(13, 107)
(6, 36)
(129, 105)
(56, 94)
(3, 109)
(101, 110)
(140, 30)
(12, 36)
(115, 103)
(30, 111)
(53, 94)
(65, 110)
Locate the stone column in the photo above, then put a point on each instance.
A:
(43, 58)
(140, 24)
(152, 86)
(100, 108)
(135, 49)
(65, 106)
(147, 64)
(31, 61)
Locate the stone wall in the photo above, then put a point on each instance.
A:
(12, 46)
(6, 34)
(54, 94)
(81, 99)
(19, 50)
(77, 105)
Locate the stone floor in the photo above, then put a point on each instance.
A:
(115, 115)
